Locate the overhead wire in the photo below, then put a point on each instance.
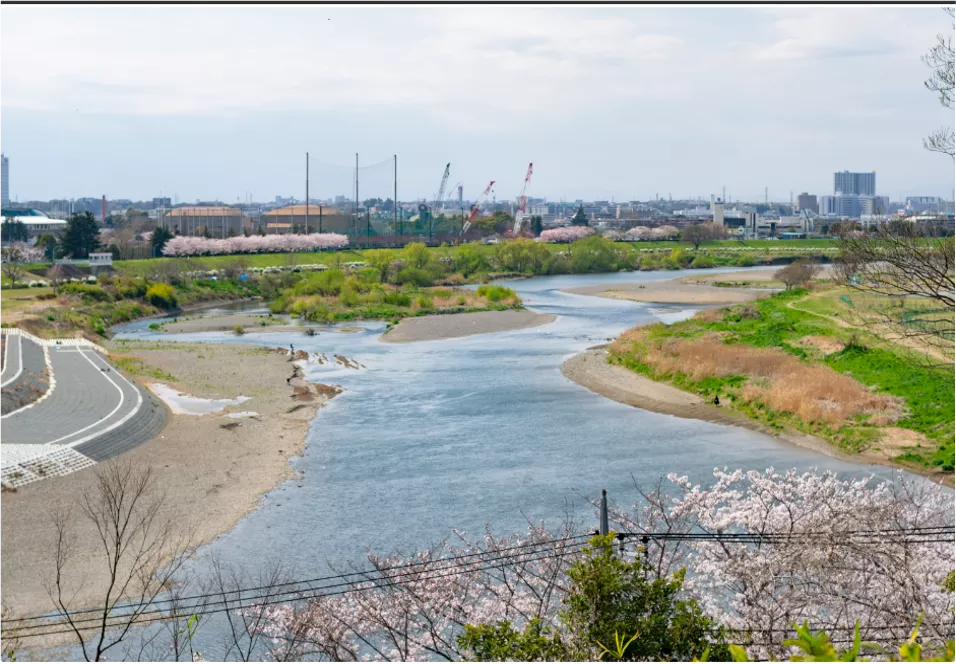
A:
(372, 578)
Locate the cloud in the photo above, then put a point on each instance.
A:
(517, 63)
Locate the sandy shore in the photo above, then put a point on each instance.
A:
(756, 277)
(228, 322)
(671, 292)
(591, 370)
(448, 326)
(212, 468)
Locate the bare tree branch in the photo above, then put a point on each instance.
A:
(141, 549)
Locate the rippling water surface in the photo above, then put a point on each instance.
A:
(461, 433)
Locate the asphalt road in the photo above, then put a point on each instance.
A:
(12, 362)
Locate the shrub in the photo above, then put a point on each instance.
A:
(681, 257)
(441, 294)
(461, 301)
(702, 262)
(329, 282)
(89, 292)
(594, 254)
(239, 330)
(414, 276)
(495, 293)
(348, 297)
(424, 302)
(162, 296)
(319, 313)
(745, 261)
(398, 299)
(130, 288)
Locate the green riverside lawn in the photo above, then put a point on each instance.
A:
(887, 369)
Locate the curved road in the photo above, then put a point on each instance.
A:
(91, 413)
(12, 360)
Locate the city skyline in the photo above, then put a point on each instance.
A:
(624, 103)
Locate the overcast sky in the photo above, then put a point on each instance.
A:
(223, 102)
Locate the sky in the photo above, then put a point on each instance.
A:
(223, 102)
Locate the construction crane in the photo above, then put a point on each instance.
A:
(522, 200)
(477, 207)
(439, 199)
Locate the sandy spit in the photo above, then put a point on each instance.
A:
(448, 326)
(590, 369)
(212, 468)
(671, 292)
(226, 323)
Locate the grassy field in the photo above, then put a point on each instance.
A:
(790, 368)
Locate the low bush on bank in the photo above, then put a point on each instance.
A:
(162, 296)
(496, 293)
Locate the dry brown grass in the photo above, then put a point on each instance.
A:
(779, 381)
(711, 315)
(826, 345)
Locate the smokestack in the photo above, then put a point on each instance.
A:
(104, 208)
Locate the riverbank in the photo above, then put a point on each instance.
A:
(449, 326)
(591, 369)
(228, 323)
(672, 292)
(212, 468)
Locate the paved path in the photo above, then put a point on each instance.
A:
(92, 413)
(12, 364)
(30, 380)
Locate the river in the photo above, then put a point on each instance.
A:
(475, 431)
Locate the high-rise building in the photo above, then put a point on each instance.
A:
(807, 202)
(4, 180)
(858, 184)
(852, 206)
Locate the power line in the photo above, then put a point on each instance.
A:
(372, 585)
(332, 577)
(439, 565)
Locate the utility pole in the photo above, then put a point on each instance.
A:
(395, 195)
(355, 217)
(604, 525)
(306, 193)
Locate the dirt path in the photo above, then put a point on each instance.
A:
(902, 341)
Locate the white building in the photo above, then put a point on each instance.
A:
(36, 221)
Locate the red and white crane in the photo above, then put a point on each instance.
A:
(522, 201)
(477, 207)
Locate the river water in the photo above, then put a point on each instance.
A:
(475, 431)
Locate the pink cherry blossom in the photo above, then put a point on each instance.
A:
(565, 234)
(182, 245)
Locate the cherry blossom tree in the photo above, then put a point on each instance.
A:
(664, 233)
(565, 234)
(198, 246)
(836, 551)
(15, 255)
(638, 233)
(814, 547)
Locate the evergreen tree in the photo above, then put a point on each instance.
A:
(536, 225)
(14, 231)
(580, 219)
(159, 239)
(82, 235)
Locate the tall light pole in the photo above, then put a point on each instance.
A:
(306, 193)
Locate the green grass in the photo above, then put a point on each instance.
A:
(137, 367)
(143, 266)
(928, 392)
